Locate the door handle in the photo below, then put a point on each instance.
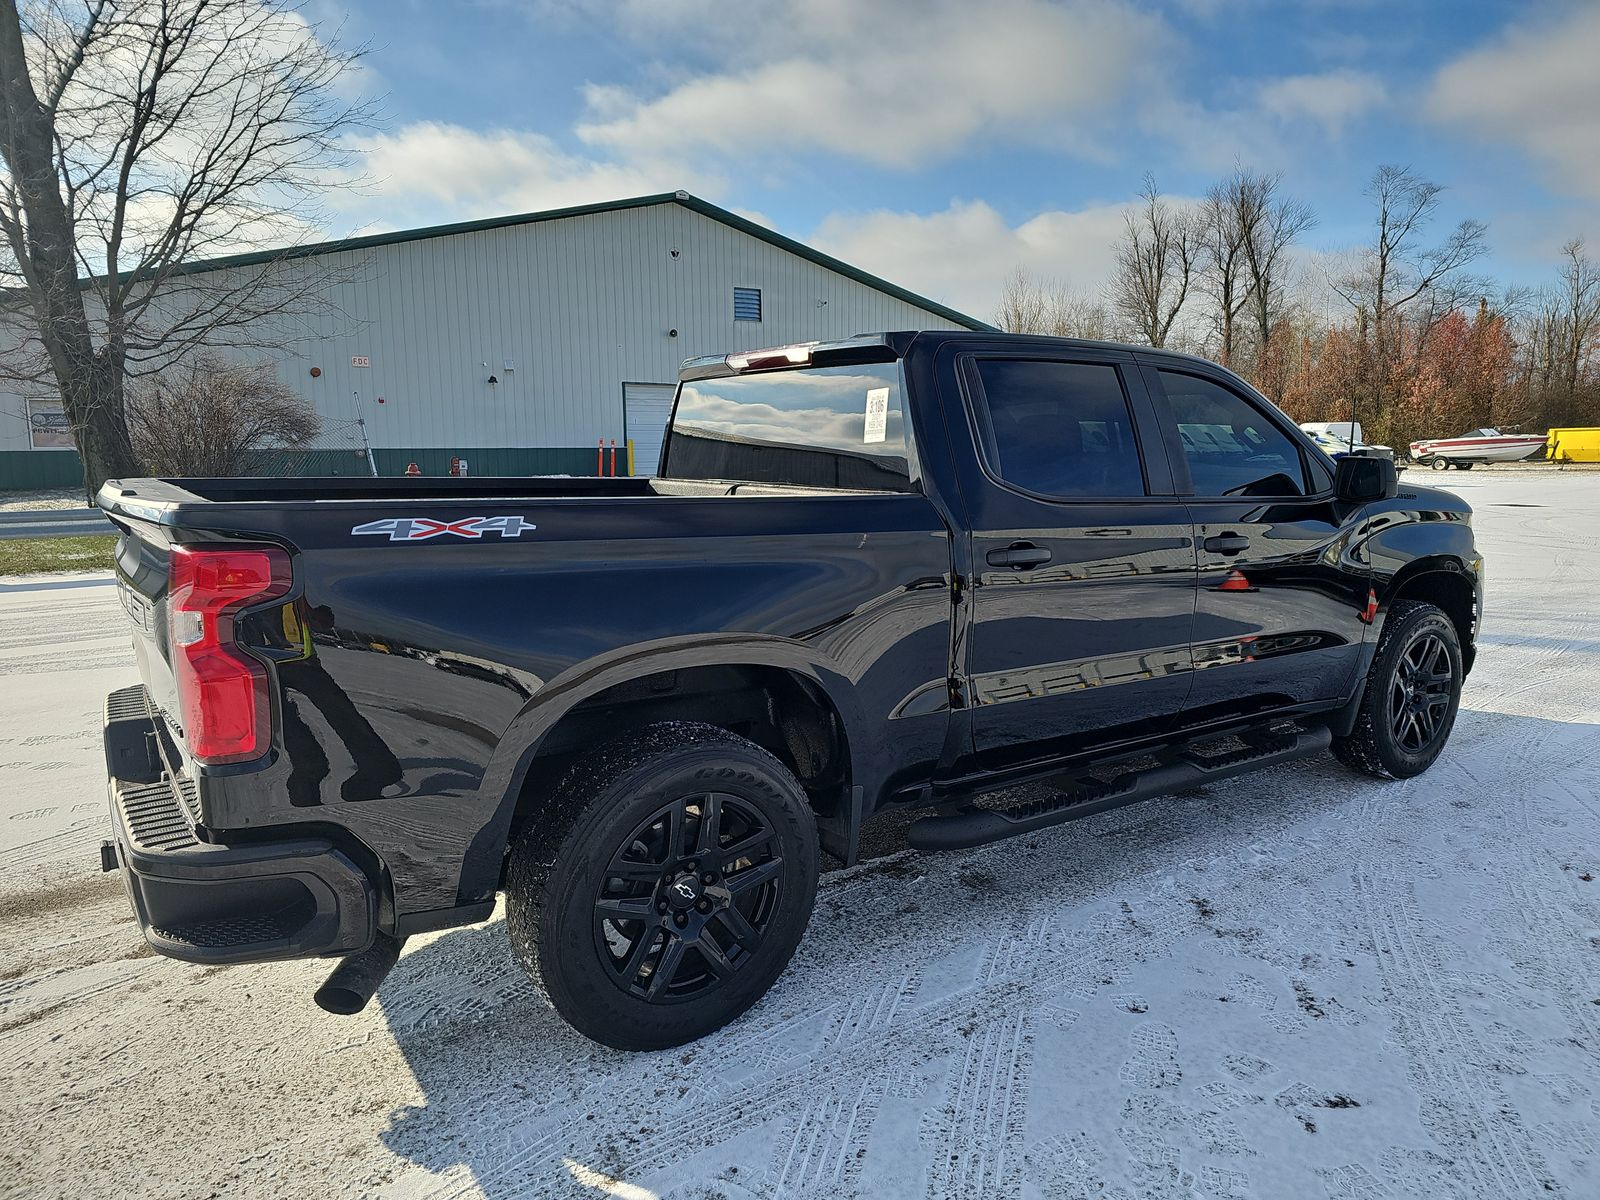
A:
(1022, 556)
(1227, 543)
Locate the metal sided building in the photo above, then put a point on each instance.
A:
(518, 343)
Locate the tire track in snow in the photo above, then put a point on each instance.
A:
(978, 1134)
(54, 847)
(1018, 974)
(1470, 1115)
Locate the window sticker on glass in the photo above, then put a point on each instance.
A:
(877, 425)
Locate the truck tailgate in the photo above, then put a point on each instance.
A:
(142, 558)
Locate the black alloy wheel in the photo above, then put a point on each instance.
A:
(1420, 694)
(662, 886)
(686, 900)
(1412, 691)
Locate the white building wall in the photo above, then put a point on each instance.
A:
(580, 304)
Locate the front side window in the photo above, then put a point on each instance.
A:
(834, 427)
(1232, 449)
(1059, 429)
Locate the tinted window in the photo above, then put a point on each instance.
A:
(838, 427)
(1232, 449)
(1060, 429)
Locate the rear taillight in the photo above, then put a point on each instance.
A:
(222, 693)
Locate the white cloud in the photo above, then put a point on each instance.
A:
(897, 82)
(431, 172)
(1537, 88)
(1214, 139)
(1331, 98)
(961, 256)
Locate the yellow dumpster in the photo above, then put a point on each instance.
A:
(1573, 445)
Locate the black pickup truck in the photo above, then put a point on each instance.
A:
(897, 570)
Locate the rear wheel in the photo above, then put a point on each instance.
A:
(1412, 692)
(667, 887)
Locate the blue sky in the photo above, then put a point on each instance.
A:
(942, 144)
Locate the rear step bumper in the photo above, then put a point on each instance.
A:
(979, 826)
(212, 903)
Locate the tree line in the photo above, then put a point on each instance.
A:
(1399, 332)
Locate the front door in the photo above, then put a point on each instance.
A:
(1278, 609)
(1082, 562)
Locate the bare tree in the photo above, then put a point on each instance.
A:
(1078, 316)
(1031, 305)
(1272, 223)
(138, 137)
(1024, 304)
(1396, 271)
(1558, 338)
(1224, 277)
(209, 416)
(1155, 264)
(1575, 307)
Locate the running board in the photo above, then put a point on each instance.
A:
(1084, 798)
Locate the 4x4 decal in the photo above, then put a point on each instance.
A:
(418, 529)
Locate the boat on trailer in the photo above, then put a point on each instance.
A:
(1478, 446)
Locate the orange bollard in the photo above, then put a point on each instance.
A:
(600, 458)
(613, 458)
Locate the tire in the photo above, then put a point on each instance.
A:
(1439, 463)
(1466, 466)
(682, 953)
(1410, 697)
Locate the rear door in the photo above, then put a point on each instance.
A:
(1082, 562)
(1277, 613)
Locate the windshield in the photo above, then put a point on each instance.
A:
(836, 427)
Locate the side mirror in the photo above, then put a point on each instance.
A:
(1358, 479)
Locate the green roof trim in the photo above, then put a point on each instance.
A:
(692, 203)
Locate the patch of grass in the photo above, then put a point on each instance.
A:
(31, 556)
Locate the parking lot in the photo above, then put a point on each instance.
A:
(1301, 983)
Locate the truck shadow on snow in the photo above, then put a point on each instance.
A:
(906, 961)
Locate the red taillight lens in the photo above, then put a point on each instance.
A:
(222, 693)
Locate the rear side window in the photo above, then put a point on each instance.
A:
(835, 427)
(1059, 429)
(1231, 447)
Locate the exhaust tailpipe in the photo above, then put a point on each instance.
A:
(353, 981)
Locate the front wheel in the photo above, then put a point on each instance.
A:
(1440, 463)
(666, 886)
(1412, 692)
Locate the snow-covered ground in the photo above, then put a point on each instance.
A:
(1298, 984)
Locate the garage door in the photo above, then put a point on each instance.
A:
(646, 408)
